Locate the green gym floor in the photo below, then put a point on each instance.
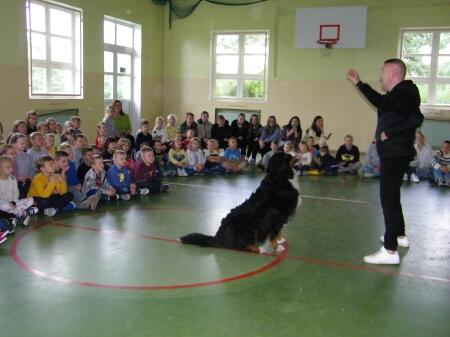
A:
(121, 272)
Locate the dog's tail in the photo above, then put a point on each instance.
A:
(199, 240)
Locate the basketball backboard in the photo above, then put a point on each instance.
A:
(346, 26)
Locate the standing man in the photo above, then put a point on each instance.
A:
(398, 117)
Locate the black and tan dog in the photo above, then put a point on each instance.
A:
(262, 216)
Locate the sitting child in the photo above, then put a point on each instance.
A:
(323, 162)
(144, 173)
(233, 161)
(441, 165)
(66, 167)
(49, 140)
(265, 160)
(190, 134)
(95, 181)
(178, 158)
(19, 209)
(124, 144)
(372, 166)
(347, 157)
(86, 162)
(25, 167)
(37, 150)
(196, 159)
(108, 150)
(119, 177)
(49, 189)
(305, 159)
(213, 161)
(143, 136)
(288, 147)
(161, 160)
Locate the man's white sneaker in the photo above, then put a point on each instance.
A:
(382, 257)
(415, 178)
(125, 196)
(402, 242)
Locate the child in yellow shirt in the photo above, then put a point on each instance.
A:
(49, 189)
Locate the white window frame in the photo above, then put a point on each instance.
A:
(76, 67)
(240, 77)
(132, 104)
(433, 79)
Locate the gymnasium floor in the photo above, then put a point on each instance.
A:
(120, 272)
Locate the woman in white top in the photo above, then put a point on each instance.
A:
(424, 155)
(317, 131)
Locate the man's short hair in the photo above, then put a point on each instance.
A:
(400, 64)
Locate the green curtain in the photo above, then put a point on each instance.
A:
(180, 9)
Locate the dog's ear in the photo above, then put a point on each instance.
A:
(279, 165)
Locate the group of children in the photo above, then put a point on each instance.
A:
(49, 168)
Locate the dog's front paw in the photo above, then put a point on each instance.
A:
(281, 240)
(262, 250)
(280, 249)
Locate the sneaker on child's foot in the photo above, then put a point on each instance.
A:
(70, 206)
(4, 234)
(415, 178)
(164, 187)
(50, 212)
(401, 241)
(25, 220)
(383, 257)
(368, 175)
(405, 177)
(125, 197)
(32, 211)
(143, 191)
(179, 173)
(2, 239)
(440, 182)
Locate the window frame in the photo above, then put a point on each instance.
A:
(432, 80)
(76, 40)
(240, 77)
(118, 49)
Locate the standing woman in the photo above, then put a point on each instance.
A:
(292, 131)
(317, 131)
(254, 133)
(270, 133)
(122, 122)
(32, 120)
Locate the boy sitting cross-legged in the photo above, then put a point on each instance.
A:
(95, 182)
(49, 189)
(119, 177)
(144, 173)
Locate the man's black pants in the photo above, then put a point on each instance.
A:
(391, 178)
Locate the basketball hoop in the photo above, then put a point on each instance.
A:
(328, 43)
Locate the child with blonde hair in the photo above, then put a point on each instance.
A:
(171, 127)
(124, 144)
(49, 189)
(196, 159)
(49, 140)
(158, 131)
(37, 150)
(178, 158)
(19, 209)
(108, 120)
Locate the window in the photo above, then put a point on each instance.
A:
(239, 65)
(426, 54)
(54, 34)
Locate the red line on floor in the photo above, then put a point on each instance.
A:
(21, 263)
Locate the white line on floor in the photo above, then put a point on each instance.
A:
(302, 195)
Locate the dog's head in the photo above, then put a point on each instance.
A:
(281, 165)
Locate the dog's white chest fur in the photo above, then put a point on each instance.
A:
(295, 184)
